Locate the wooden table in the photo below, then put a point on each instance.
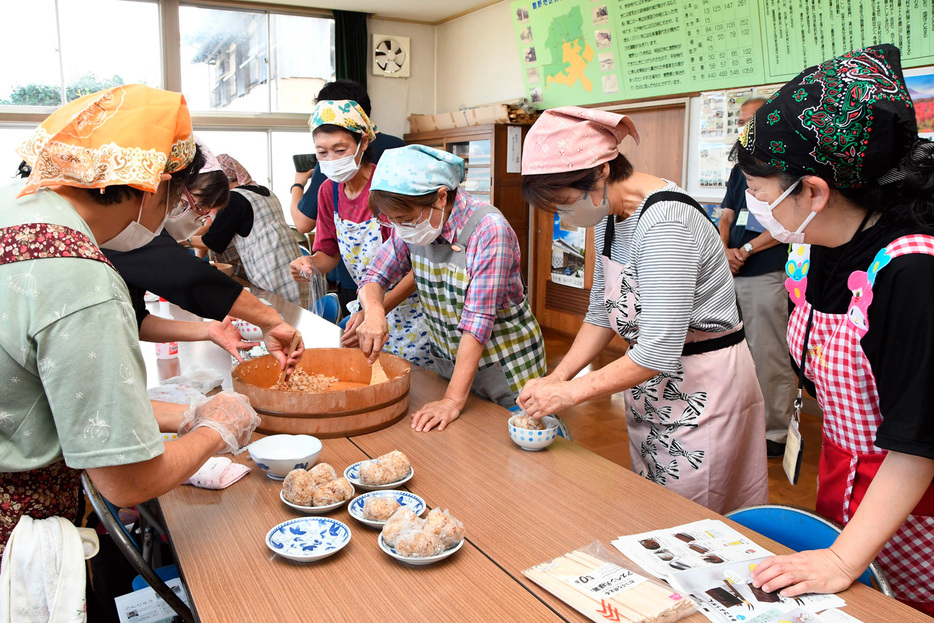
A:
(519, 508)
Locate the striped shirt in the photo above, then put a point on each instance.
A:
(493, 266)
(683, 278)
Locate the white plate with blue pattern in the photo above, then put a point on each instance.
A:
(416, 560)
(308, 538)
(404, 498)
(352, 474)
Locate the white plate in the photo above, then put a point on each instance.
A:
(308, 538)
(352, 474)
(427, 560)
(404, 498)
(311, 510)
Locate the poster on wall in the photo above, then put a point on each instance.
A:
(592, 51)
(921, 88)
(568, 254)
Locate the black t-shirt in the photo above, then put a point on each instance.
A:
(235, 219)
(770, 260)
(900, 342)
(165, 268)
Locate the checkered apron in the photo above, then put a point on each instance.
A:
(698, 430)
(515, 351)
(848, 396)
(408, 325)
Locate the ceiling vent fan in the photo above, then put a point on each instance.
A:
(391, 57)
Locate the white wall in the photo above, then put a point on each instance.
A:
(394, 99)
(478, 62)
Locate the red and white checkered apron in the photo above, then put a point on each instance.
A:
(848, 396)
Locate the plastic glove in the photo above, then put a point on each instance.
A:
(229, 413)
(302, 269)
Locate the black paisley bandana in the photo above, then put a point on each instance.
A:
(848, 120)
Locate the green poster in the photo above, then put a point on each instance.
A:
(567, 51)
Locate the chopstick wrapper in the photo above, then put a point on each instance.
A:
(218, 472)
(602, 587)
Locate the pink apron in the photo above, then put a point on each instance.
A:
(700, 430)
(848, 396)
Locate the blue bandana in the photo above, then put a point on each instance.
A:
(416, 170)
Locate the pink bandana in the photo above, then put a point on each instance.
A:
(571, 138)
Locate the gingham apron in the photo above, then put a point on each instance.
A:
(515, 352)
(699, 430)
(52, 490)
(408, 325)
(849, 399)
(268, 250)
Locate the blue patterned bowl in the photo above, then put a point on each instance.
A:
(277, 455)
(534, 440)
(308, 538)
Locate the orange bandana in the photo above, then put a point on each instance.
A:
(129, 135)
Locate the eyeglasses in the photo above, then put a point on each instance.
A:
(185, 203)
(409, 225)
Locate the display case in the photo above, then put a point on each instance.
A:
(492, 154)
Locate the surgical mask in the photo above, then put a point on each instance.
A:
(763, 213)
(422, 233)
(583, 213)
(134, 235)
(184, 226)
(342, 169)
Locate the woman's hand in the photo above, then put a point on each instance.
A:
(811, 571)
(302, 267)
(278, 340)
(227, 336)
(372, 335)
(541, 397)
(349, 338)
(439, 413)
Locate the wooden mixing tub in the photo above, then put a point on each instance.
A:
(333, 413)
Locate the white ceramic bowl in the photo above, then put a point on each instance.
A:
(249, 332)
(405, 499)
(416, 560)
(277, 455)
(311, 510)
(534, 440)
(308, 538)
(352, 473)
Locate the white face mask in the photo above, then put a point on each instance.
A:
(763, 213)
(134, 235)
(422, 233)
(583, 213)
(342, 169)
(184, 226)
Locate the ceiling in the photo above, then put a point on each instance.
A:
(426, 11)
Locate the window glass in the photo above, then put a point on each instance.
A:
(302, 60)
(249, 148)
(224, 59)
(30, 75)
(11, 138)
(284, 146)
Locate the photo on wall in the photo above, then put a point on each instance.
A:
(535, 94)
(525, 35)
(610, 83)
(568, 254)
(600, 15)
(532, 75)
(920, 84)
(522, 14)
(530, 55)
(607, 62)
(604, 38)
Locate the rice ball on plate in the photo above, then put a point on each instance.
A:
(397, 463)
(322, 473)
(380, 508)
(298, 487)
(447, 528)
(418, 544)
(333, 492)
(403, 520)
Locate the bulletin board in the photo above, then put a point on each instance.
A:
(578, 52)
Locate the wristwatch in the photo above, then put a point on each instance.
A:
(748, 248)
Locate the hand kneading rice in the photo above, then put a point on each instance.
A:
(527, 422)
(419, 538)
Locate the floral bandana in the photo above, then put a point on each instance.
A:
(416, 170)
(848, 120)
(235, 171)
(130, 135)
(346, 114)
(571, 138)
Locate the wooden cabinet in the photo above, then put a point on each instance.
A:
(485, 149)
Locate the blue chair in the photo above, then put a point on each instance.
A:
(139, 557)
(801, 529)
(328, 307)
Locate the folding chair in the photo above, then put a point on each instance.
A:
(138, 557)
(801, 529)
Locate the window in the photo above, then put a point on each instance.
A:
(250, 61)
(249, 76)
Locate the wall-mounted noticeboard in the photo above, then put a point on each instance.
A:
(576, 52)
